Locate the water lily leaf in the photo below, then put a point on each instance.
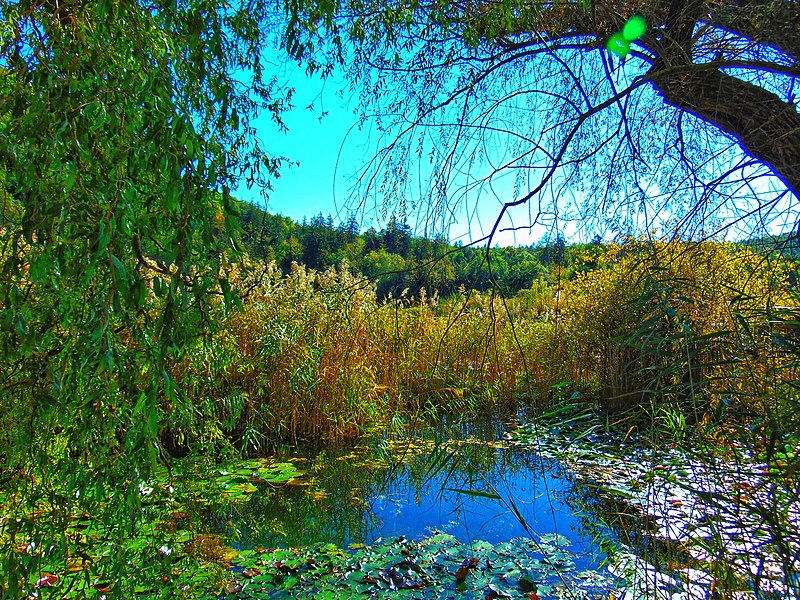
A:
(492, 593)
(526, 584)
(481, 546)
(247, 488)
(555, 538)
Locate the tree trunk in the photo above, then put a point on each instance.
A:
(767, 127)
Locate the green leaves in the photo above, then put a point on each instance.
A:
(120, 268)
(112, 154)
(439, 566)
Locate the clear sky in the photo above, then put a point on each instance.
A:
(318, 128)
(324, 137)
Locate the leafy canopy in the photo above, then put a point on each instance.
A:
(122, 127)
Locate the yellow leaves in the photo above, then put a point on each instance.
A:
(318, 495)
(449, 392)
(77, 564)
(649, 303)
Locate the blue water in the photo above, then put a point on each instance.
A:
(351, 498)
(403, 509)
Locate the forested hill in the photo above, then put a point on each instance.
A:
(399, 260)
(786, 244)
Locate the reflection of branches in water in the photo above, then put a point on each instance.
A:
(602, 514)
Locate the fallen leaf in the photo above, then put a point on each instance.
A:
(233, 588)
(461, 574)
(392, 577)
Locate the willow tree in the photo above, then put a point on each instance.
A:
(122, 127)
(521, 100)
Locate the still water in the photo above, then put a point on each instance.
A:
(456, 478)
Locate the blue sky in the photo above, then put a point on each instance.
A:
(324, 137)
(331, 149)
(314, 140)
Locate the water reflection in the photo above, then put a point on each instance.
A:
(404, 484)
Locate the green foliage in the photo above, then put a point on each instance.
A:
(172, 546)
(121, 130)
(396, 259)
(387, 267)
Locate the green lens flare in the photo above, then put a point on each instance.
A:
(618, 45)
(634, 28)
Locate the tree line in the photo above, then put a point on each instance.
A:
(402, 263)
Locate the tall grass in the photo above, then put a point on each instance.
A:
(664, 322)
(315, 355)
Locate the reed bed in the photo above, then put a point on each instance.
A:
(315, 355)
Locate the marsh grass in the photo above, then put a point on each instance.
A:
(314, 355)
(692, 347)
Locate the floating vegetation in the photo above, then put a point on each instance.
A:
(438, 566)
(707, 523)
(239, 480)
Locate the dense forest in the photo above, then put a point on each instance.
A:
(397, 260)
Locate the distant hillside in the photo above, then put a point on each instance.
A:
(398, 260)
(786, 244)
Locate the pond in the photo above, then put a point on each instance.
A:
(503, 508)
(427, 479)
(460, 485)
(508, 509)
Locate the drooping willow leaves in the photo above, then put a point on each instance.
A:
(122, 127)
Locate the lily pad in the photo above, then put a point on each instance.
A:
(238, 480)
(437, 567)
